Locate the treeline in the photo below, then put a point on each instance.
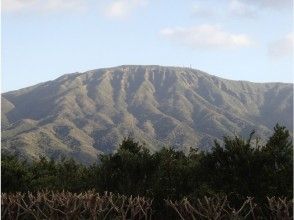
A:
(237, 168)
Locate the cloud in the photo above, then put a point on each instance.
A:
(206, 37)
(282, 48)
(250, 8)
(109, 8)
(15, 6)
(123, 8)
(204, 12)
(240, 9)
(273, 4)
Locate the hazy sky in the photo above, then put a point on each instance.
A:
(235, 39)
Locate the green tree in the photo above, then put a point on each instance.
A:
(234, 168)
(43, 174)
(127, 171)
(278, 167)
(14, 174)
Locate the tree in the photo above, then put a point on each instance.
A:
(278, 167)
(14, 174)
(128, 171)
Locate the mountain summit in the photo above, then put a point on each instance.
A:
(83, 114)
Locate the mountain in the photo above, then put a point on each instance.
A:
(84, 114)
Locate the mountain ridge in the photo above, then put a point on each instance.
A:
(85, 114)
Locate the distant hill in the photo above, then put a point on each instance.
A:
(84, 114)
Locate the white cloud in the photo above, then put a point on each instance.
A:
(282, 48)
(250, 8)
(273, 4)
(206, 37)
(123, 8)
(204, 12)
(42, 5)
(17, 5)
(109, 8)
(240, 9)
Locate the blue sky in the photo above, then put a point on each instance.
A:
(235, 39)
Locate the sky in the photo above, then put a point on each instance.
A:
(235, 39)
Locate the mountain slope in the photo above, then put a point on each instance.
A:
(84, 114)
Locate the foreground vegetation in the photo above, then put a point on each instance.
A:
(91, 205)
(237, 169)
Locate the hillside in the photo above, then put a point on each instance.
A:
(85, 114)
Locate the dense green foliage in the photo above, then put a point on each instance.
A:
(237, 167)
